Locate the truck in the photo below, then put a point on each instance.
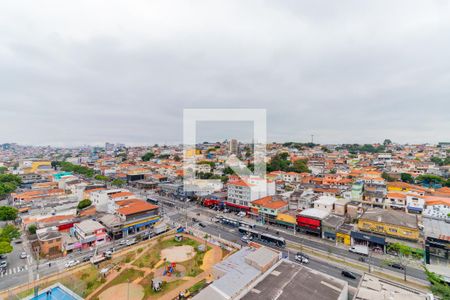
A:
(160, 228)
(97, 259)
(360, 249)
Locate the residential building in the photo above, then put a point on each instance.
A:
(390, 223)
(89, 233)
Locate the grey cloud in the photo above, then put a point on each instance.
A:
(345, 72)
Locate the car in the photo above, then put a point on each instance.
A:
(108, 254)
(396, 266)
(86, 258)
(123, 242)
(246, 238)
(130, 242)
(348, 274)
(2, 256)
(71, 263)
(23, 255)
(301, 259)
(302, 254)
(3, 264)
(194, 220)
(241, 214)
(201, 225)
(19, 241)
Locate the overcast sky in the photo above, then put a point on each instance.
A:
(86, 72)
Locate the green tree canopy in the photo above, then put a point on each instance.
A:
(3, 170)
(84, 203)
(69, 167)
(5, 247)
(8, 213)
(118, 182)
(406, 177)
(101, 178)
(9, 232)
(147, 156)
(430, 179)
(387, 177)
(32, 229)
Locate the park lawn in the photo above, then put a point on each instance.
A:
(193, 266)
(125, 275)
(197, 287)
(149, 259)
(153, 255)
(149, 293)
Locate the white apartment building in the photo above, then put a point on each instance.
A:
(104, 198)
(242, 193)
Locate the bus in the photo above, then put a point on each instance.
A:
(263, 237)
(248, 231)
(271, 239)
(245, 224)
(152, 200)
(229, 221)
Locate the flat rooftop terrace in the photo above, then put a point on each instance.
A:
(292, 281)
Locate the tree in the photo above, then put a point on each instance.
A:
(387, 177)
(300, 166)
(387, 142)
(101, 178)
(8, 184)
(3, 170)
(177, 158)
(429, 179)
(118, 182)
(8, 213)
(5, 247)
(9, 232)
(438, 286)
(69, 167)
(406, 177)
(147, 156)
(84, 203)
(404, 255)
(32, 229)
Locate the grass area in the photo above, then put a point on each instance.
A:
(148, 259)
(153, 255)
(197, 287)
(82, 283)
(149, 293)
(126, 274)
(193, 266)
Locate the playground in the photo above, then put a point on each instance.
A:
(161, 269)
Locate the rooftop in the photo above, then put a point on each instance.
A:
(375, 288)
(293, 281)
(391, 217)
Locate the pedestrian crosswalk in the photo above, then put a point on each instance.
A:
(11, 271)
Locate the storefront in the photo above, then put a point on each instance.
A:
(308, 225)
(236, 207)
(374, 242)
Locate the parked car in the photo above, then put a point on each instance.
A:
(241, 214)
(19, 241)
(108, 254)
(396, 266)
(2, 256)
(130, 242)
(71, 263)
(3, 264)
(348, 274)
(123, 242)
(201, 225)
(194, 220)
(23, 255)
(86, 258)
(301, 259)
(246, 238)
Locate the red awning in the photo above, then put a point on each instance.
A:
(237, 206)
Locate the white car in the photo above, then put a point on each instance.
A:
(241, 214)
(71, 263)
(23, 255)
(301, 259)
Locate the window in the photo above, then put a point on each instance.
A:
(392, 230)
